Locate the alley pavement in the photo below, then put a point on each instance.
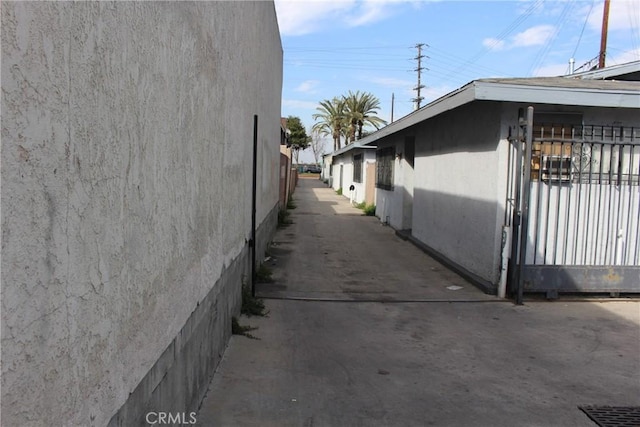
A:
(364, 329)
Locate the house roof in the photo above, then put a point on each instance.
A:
(353, 146)
(629, 71)
(535, 90)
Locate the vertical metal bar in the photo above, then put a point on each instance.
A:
(568, 208)
(538, 183)
(597, 213)
(618, 257)
(525, 203)
(559, 197)
(579, 205)
(637, 239)
(587, 223)
(515, 270)
(608, 250)
(547, 211)
(509, 196)
(254, 274)
(629, 232)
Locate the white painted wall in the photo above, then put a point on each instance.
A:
(346, 161)
(126, 186)
(460, 180)
(456, 187)
(390, 203)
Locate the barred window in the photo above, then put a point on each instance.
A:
(357, 168)
(586, 154)
(384, 168)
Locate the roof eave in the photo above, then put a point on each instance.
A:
(553, 95)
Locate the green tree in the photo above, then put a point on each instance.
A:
(298, 137)
(361, 108)
(330, 119)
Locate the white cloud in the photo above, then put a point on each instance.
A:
(624, 57)
(623, 15)
(552, 70)
(561, 69)
(299, 17)
(307, 86)
(493, 44)
(534, 36)
(307, 16)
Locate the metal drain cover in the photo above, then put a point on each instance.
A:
(613, 416)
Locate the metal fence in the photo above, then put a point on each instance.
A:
(584, 196)
(575, 197)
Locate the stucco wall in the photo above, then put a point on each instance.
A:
(126, 186)
(391, 204)
(346, 161)
(457, 188)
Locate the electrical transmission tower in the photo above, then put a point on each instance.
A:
(418, 99)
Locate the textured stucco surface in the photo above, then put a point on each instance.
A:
(346, 161)
(460, 180)
(456, 189)
(126, 186)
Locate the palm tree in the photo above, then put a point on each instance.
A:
(331, 115)
(362, 108)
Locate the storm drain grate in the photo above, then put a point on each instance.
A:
(613, 416)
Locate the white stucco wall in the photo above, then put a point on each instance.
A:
(457, 190)
(346, 161)
(391, 205)
(126, 186)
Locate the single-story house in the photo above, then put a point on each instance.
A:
(450, 178)
(353, 171)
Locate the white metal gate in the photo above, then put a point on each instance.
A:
(576, 209)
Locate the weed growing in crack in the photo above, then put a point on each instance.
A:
(252, 306)
(238, 329)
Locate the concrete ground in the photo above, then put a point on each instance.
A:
(343, 345)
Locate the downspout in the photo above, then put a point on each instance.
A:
(252, 243)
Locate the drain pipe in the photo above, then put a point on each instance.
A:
(252, 243)
(504, 266)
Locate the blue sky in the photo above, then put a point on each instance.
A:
(331, 47)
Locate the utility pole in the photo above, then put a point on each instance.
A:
(393, 98)
(603, 37)
(418, 99)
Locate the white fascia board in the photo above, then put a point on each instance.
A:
(506, 92)
(607, 72)
(557, 95)
(350, 147)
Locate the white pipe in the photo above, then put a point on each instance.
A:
(506, 250)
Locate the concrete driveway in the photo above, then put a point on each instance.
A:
(343, 346)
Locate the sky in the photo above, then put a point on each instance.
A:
(332, 47)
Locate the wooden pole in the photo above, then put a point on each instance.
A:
(603, 37)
